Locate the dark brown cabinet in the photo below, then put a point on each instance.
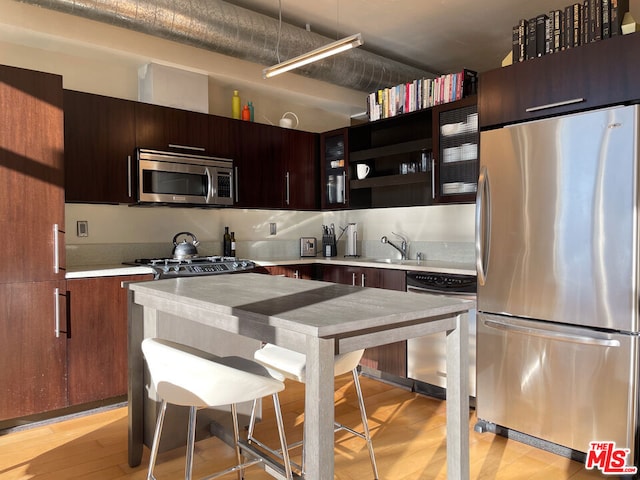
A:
(163, 128)
(391, 358)
(260, 168)
(33, 373)
(100, 139)
(33, 376)
(301, 170)
(334, 168)
(590, 76)
(276, 168)
(455, 151)
(97, 344)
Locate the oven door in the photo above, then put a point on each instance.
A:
(166, 182)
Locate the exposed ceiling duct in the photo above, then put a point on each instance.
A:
(237, 32)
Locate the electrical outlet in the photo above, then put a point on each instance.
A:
(83, 228)
(272, 229)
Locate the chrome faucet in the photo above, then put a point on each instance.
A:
(403, 246)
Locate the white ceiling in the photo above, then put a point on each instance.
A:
(440, 36)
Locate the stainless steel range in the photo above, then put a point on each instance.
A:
(194, 266)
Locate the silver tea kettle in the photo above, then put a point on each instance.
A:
(185, 249)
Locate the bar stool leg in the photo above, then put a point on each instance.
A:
(365, 422)
(156, 440)
(191, 441)
(283, 439)
(236, 439)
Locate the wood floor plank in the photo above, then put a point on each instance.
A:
(408, 429)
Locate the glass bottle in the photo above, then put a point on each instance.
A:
(226, 243)
(251, 111)
(235, 105)
(233, 244)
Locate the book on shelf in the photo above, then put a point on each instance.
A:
(606, 18)
(540, 34)
(420, 93)
(531, 38)
(618, 9)
(519, 41)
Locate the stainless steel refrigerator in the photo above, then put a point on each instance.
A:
(557, 252)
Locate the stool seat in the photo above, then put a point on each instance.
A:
(293, 365)
(185, 376)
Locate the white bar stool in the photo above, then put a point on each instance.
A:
(292, 365)
(181, 377)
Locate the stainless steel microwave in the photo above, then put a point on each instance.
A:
(181, 178)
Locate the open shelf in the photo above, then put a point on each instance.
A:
(391, 180)
(388, 150)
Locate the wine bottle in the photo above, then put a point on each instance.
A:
(226, 243)
(233, 244)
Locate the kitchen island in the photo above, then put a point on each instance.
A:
(318, 319)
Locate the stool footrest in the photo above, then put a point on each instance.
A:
(265, 462)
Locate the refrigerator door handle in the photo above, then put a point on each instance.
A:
(548, 334)
(483, 222)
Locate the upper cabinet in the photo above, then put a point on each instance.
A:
(334, 168)
(166, 128)
(455, 151)
(589, 76)
(276, 168)
(100, 138)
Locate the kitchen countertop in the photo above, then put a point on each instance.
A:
(437, 266)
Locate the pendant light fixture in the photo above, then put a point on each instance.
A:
(333, 48)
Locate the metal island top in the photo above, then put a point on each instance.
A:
(319, 319)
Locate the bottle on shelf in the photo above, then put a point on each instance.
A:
(233, 244)
(251, 111)
(226, 243)
(246, 113)
(235, 105)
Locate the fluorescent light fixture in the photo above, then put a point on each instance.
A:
(334, 48)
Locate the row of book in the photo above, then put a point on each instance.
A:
(577, 24)
(421, 93)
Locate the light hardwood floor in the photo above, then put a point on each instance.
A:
(408, 434)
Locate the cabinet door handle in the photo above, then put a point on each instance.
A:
(56, 249)
(433, 179)
(353, 279)
(235, 182)
(56, 312)
(344, 188)
(129, 186)
(187, 147)
(286, 181)
(362, 280)
(555, 104)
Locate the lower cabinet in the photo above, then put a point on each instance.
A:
(34, 370)
(97, 344)
(391, 358)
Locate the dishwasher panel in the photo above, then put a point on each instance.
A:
(567, 385)
(427, 356)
